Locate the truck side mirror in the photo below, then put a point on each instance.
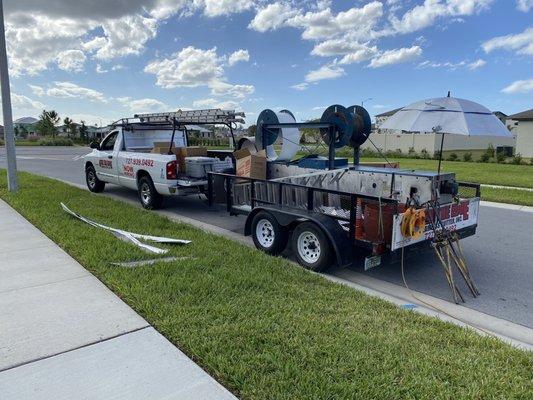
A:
(94, 145)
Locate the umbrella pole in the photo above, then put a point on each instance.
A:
(440, 154)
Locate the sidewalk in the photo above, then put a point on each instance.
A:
(64, 335)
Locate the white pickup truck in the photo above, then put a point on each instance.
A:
(125, 158)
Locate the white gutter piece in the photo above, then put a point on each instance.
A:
(130, 236)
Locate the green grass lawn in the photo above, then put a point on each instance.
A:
(489, 173)
(266, 328)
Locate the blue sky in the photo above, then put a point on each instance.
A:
(108, 59)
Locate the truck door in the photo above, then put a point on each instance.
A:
(106, 167)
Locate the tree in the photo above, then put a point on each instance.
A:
(251, 130)
(70, 127)
(83, 130)
(47, 123)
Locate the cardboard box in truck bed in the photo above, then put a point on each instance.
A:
(250, 165)
(180, 152)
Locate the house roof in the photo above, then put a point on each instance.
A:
(26, 120)
(389, 113)
(523, 116)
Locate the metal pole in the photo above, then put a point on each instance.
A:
(441, 147)
(9, 138)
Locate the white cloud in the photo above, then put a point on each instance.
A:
(522, 43)
(190, 67)
(34, 41)
(396, 56)
(237, 56)
(122, 37)
(147, 105)
(37, 90)
(524, 5)
(67, 90)
(215, 8)
(427, 13)
(453, 65)
(71, 60)
(100, 69)
(272, 17)
(23, 103)
(477, 64)
(220, 88)
(323, 24)
(522, 86)
(324, 72)
(300, 86)
(214, 103)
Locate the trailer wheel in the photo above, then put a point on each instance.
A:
(150, 199)
(311, 246)
(94, 184)
(268, 235)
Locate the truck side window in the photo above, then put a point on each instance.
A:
(109, 142)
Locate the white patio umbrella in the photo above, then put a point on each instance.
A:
(447, 115)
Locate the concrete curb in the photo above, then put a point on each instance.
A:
(514, 207)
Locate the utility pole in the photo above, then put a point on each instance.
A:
(9, 138)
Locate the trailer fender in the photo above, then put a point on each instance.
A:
(337, 236)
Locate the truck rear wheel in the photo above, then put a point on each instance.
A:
(311, 246)
(94, 184)
(268, 235)
(150, 199)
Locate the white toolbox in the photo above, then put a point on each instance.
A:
(198, 167)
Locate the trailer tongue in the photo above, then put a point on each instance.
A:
(353, 213)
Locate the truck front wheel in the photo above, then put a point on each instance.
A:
(94, 184)
(148, 196)
(311, 246)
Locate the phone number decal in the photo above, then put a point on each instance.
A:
(140, 161)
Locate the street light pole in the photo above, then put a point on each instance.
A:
(9, 139)
(363, 102)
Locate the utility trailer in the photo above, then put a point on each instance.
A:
(349, 213)
(326, 220)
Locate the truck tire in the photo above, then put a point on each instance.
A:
(311, 246)
(268, 235)
(148, 196)
(94, 184)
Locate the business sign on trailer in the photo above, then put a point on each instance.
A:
(453, 216)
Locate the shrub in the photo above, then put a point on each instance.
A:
(484, 158)
(517, 159)
(500, 157)
(452, 157)
(33, 138)
(56, 142)
(1, 142)
(424, 154)
(436, 155)
(467, 157)
(490, 151)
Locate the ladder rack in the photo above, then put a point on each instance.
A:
(208, 116)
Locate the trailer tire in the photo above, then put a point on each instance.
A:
(311, 246)
(268, 235)
(94, 184)
(148, 196)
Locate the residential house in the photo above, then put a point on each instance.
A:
(25, 126)
(524, 132)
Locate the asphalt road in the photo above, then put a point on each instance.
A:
(500, 255)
